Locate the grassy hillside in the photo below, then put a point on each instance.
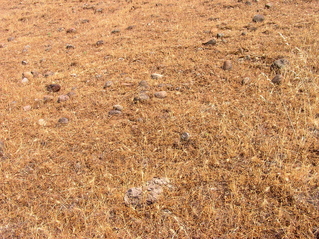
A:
(236, 144)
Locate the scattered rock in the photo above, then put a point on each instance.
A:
(2, 45)
(48, 73)
(143, 97)
(246, 81)
(63, 120)
(108, 84)
(220, 35)
(27, 74)
(1, 149)
(279, 64)
(85, 21)
(166, 86)
(71, 30)
(25, 81)
(258, 18)
(71, 94)
(48, 98)
(227, 66)
(148, 194)
(143, 84)
(185, 136)
(115, 112)
(27, 108)
(130, 27)
(24, 62)
(42, 122)
(69, 46)
(118, 107)
(277, 79)
(115, 31)
(99, 10)
(10, 39)
(63, 98)
(268, 5)
(156, 76)
(160, 94)
(99, 43)
(53, 88)
(210, 42)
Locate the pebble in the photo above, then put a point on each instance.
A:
(115, 31)
(24, 62)
(115, 112)
(42, 122)
(227, 66)
(27, 74)
(220, 35)
(161, 94)
(69, 46)
(10, 39)
(141, 98)
(156, 76)
(277, 79)
(185, 136)
(47, 98)
(71, 30)
(143, 83)
(63, 120)
(99, 43)
(118, 107)
(245, 81)
(27, 108)
(53, 88)
(258, 18)
(48, 73)
(210, 42)
(108, 84)
(63, 98)
(25, 81)
(279, 64)
(268, 5)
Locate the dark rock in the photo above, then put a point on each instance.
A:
(227, 66)
(210, 42)
(24, 62)
(71, 30)
(279, 64)
(99, 43)
(277, 80)
(53, 88)
(258, 18)
(63, 120)
(69, 46)
(115, 31)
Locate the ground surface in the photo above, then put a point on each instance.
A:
(250, 166)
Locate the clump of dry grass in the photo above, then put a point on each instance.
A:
(249, 167)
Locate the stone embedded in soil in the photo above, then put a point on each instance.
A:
(268, 5)
(227, 66)
(115, 112)
(210, 42)
(71, 94)
(185, 136)
(108, 84)
(99, 43)
(10, 39)
(53, 87)
(156, 76)
(115, 31)
(142, 97)
(27, 107)
(148, 194)
(143, 83)
(220, 35)
(42, 122)
(71, 30)
(25, 81)
(118, 107)
(63, 120)
(27, 74)
(48, 73)
(160, 94)
(277, 80)
(246, 81)
(69, 46)
(279, 64)
(24, 62)
(258, 18)
(63, 98)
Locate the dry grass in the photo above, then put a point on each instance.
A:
(250, 169)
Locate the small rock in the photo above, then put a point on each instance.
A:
(143, 97)
(227, 66)
(63, 120)
(268, 5)
(108, 84)
(27, 108)
(24, 62)
(143, 83)
(156, 76)
(277, 79)
(246, 81)
(42, 122)
(115, 112)
(115, 31)
(133, 197)
(130, 27)
(118, 107)
(71, 30)
(48, 73)
(258, 18)
(2, 45)
(71, 94)
(220, 35)
(48, 98)
(27, 74)
(85, 21)
(53, 87)
(185, 136)
(99, 43)
(63, 98)
(25, 81)
(69, 46)
(161, 94)
(10, 39)
(279, 65)
(99, 10)
(210, 42)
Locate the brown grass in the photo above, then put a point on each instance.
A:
(250, 169)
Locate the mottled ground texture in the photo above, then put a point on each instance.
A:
(159, 119)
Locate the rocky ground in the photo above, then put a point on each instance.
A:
(159, 119)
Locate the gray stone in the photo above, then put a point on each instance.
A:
(161, 94)
(277, 80)
(258, 18)
(227, 66)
